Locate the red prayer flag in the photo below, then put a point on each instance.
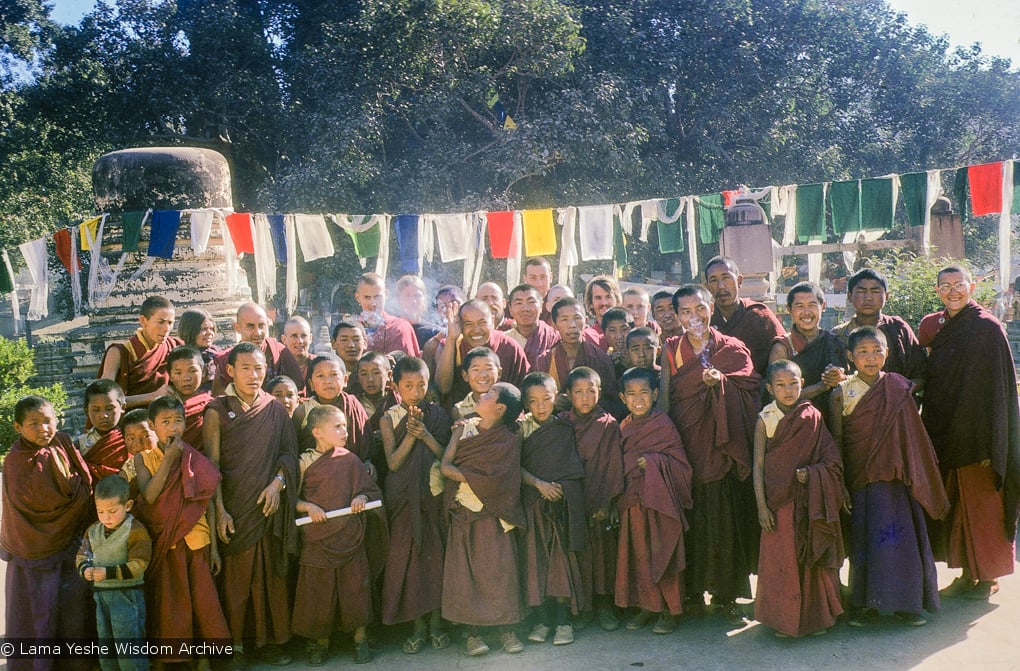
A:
(62, 242)
(240, 226)
(728, 197)
(501, 229)
(985, 188)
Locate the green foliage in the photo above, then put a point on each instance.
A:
(16, 366)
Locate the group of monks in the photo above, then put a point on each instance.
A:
(707, 352)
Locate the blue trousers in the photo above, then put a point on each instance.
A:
(120, 614)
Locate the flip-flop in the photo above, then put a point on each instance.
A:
(414, 643)
(440, 641)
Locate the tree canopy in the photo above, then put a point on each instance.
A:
(391, 105)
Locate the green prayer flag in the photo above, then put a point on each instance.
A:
(914, 186)
(366, 243)
(132, 225)
(711, 217)
(6, 281)
(877, 204)
(845, 202)
(960, 184)
(811, 212)
(1016, 187)
(671, 237)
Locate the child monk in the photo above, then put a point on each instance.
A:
(651, 559)
(187, 384)
(46, 501)
(327, 379)
(597, 438)
(893, 477)
(553, 500)
(335, 578)
(375, 374)
(642, 345)
(102, 446)
(138, 365)
(798, 483)
(480, 369)
(482, 466)
(284, 390)
(414, 435)
(177, 484)
(250, 437)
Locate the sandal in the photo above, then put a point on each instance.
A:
(440, 641)
(363, 653)
(414, 643)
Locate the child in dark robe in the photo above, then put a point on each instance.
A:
(553, 498)
(102, 446)
(414, 435)
(480, 369)
(187, 383)
(643, 348)
(335, 576)
(177, 484)
(651, 558)
(284, 390)
(482, 467)
(46, 498)
(893, 477)
(798, 482)
(597, 438)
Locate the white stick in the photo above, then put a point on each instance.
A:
(371, 505)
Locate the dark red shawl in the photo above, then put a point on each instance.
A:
(970, 400)
(255, 444)
(513, 362)
(408, 486)
(801, 440)
(331, 482)
(360, 440)
(884, 440)
(549, 454)
(194, 417)
(597, 437)
(906, 355)
(43, 511)
(107, 455)
(279, 361)
(395, 334)
(540, 341)
(664, 485)
(184, 499)
(491, 464)
(753, 324)
(716, 423)
(142, 371)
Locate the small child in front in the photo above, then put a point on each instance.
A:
(651, 558)
(597, 438)
(893, 477)
(47, 492)
(177, 484)
(482, 467)
(113, 556)
(334, 585)
(327, 379)
(553, 499)
(414, 434)
(102, 446)
(798, 483)
(481, 369)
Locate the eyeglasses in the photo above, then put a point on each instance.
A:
(959, 287)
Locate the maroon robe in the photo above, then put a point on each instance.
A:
(753, 324)
(539, 342)
(395, 335)
(813, 358)
(652, 556)
(107, 455)
(335, 579)
(412, 581)
(597, 437)
(596, 336)
(884, 441)
(906, 356)
(513, 362)
(255, 445)
(194, 417)
(178, 580)
(480, 572)
(970, 412)
(717, 427)
(142, 371)
(279, 361)
(798, 569)
(359, 435)
(557, 530)
(555, 363)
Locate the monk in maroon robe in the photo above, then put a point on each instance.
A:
(798, 569)
(716, 423)
(530, 332)
(556, 530)
(138, 365)
(255, 448)
(46, 507)
(652, 556)
(252, 325)
(107, 454)
(194, 417)
(412, 582)
(597, 437)
(970, 412)
(386, 333)
(573, 351)
(179, 580)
